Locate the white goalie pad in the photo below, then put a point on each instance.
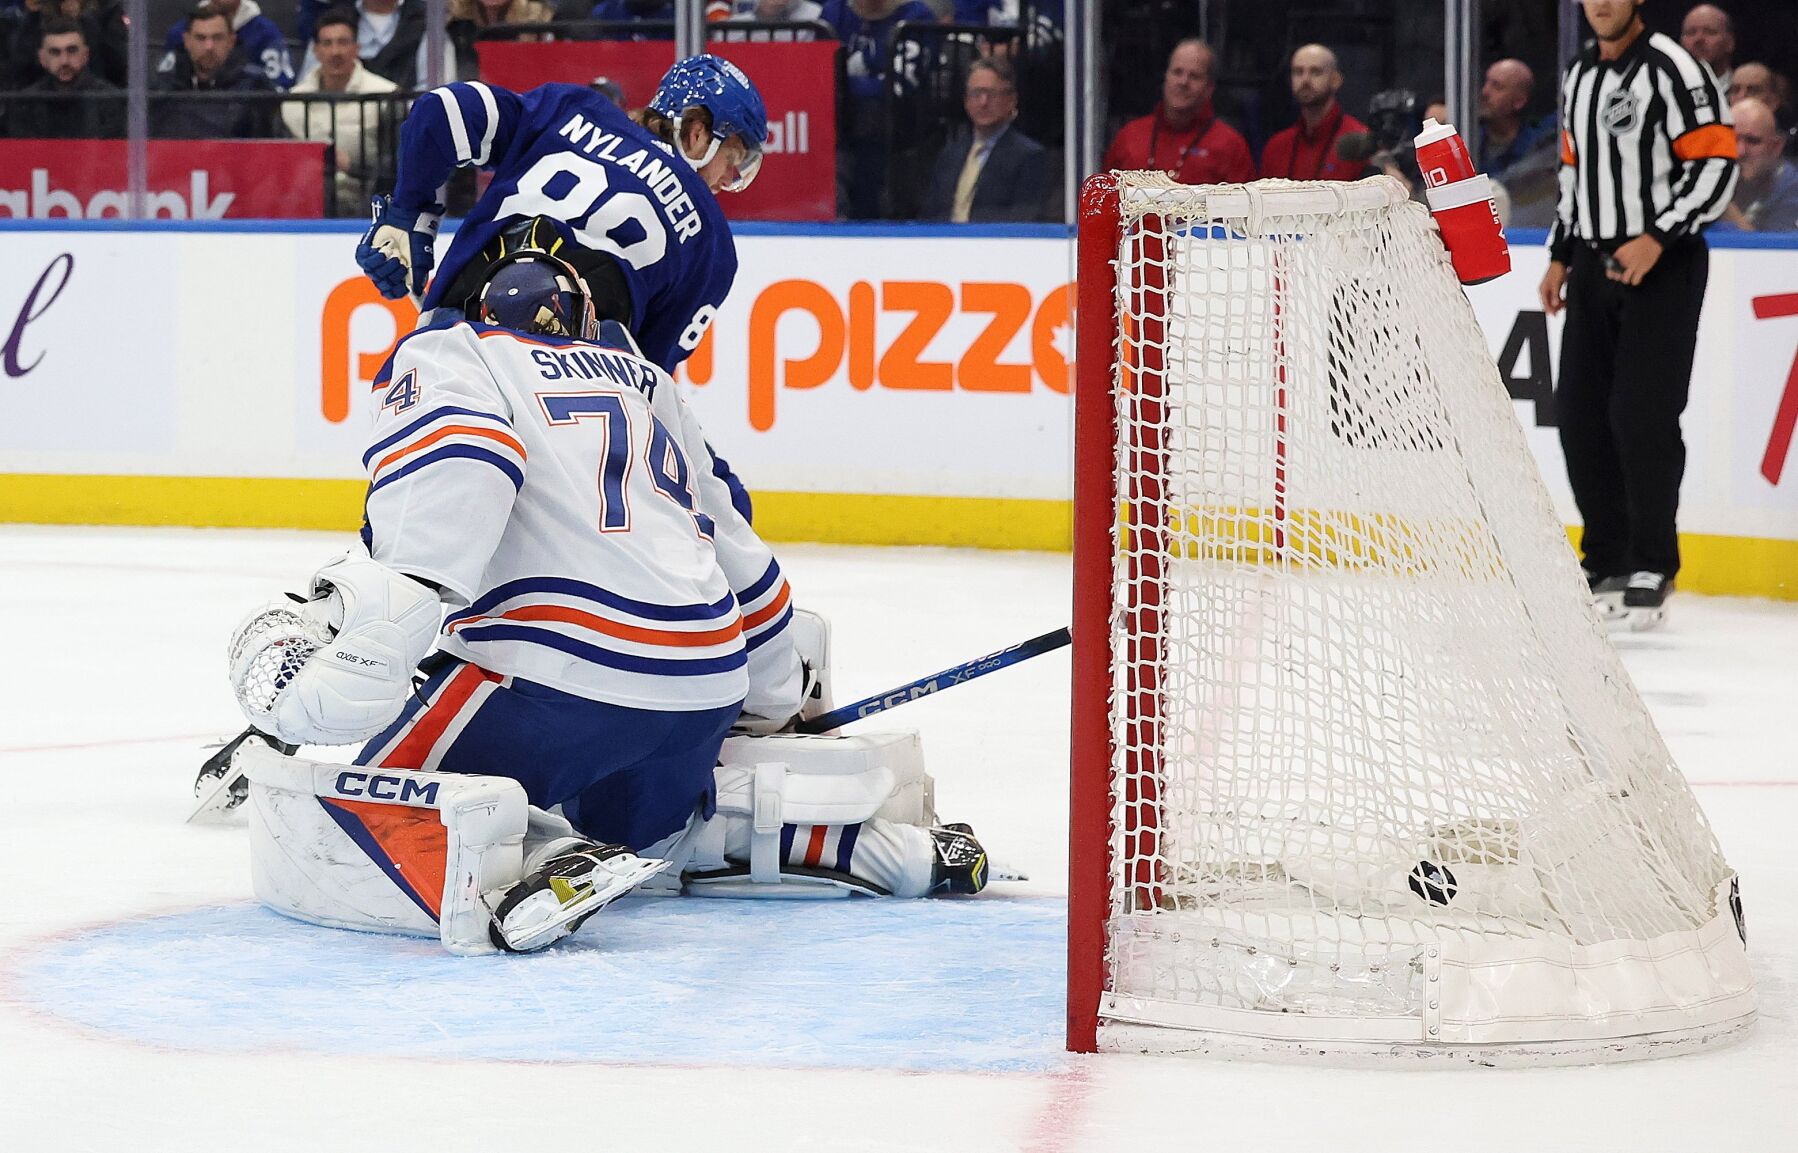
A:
(810, 780)
(383, 850)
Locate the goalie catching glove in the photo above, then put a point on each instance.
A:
(334, 668)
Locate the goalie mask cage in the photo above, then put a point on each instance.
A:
(1356, 775)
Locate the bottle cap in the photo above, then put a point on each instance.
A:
(1434, 131)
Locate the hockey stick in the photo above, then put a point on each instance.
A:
(936, 682)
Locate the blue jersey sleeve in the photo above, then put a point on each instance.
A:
(455, 126)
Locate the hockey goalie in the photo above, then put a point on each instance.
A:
(566, 656)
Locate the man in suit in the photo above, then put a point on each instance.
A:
(989, 171)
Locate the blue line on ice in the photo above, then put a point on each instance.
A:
(963, 985)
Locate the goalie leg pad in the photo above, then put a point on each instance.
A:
(382, 850)
(851, 796)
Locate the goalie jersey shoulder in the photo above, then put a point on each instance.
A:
(544, 482)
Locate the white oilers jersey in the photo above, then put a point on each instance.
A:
(562, 492)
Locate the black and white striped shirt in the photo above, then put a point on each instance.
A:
(1646, 147)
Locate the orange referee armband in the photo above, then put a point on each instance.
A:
(1711, 142)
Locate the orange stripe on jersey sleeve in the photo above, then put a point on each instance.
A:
(416, 746)
(446, 431)
(1712, 142)
(770, 610)
(562, 615)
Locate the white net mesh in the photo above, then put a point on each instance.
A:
(1364, 716)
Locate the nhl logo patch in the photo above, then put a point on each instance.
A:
(1621, 112)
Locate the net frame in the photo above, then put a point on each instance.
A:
(1122, 494)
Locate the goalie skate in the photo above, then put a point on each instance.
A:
(221, 785)
(961, 864)
(557, 898)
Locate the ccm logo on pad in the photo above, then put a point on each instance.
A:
(379, 787)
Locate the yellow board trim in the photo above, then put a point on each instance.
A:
(200, 501)
(1718, 565)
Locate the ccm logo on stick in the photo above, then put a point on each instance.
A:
(384, 788)
(898, 697)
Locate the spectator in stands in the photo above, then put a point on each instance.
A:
(1523, 156)
(468, 18)
(1183, 136)
(1307, 149)
(866, 29)
(989, 171)
(209, 61)
(259, 39)
(352, 128)
(1753, 81)
(1505, 136)
(390, 39)
(102, 26)
(1766, 197)
(70, 107)
(747, 11)
(1037, 52)
(1709, 34)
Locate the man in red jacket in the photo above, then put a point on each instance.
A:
(1307, 150)
(1183, 136)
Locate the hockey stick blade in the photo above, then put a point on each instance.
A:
(937, 682)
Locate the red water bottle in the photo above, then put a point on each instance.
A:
(1461, 201)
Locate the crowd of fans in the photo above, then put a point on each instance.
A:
(989, 148)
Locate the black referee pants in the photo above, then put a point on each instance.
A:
(1626, 367)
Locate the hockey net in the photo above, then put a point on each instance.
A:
(1356, 771)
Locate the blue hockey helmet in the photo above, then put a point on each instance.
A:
(527, 287)
(721, 88)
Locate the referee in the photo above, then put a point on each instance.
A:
(1647, 160)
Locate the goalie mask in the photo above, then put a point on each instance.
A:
(527, 287)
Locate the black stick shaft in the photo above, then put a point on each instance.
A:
(937, 682)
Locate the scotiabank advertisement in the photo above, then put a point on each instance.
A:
(184, 180)
(908, 364)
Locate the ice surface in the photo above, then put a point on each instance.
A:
(146, 1004)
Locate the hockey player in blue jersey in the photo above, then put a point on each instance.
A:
(611, 618)
(637, 191)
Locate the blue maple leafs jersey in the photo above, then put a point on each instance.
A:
(568, 153)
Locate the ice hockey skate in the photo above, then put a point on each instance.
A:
(221, 785)
(1643, 605)
(557, 898)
